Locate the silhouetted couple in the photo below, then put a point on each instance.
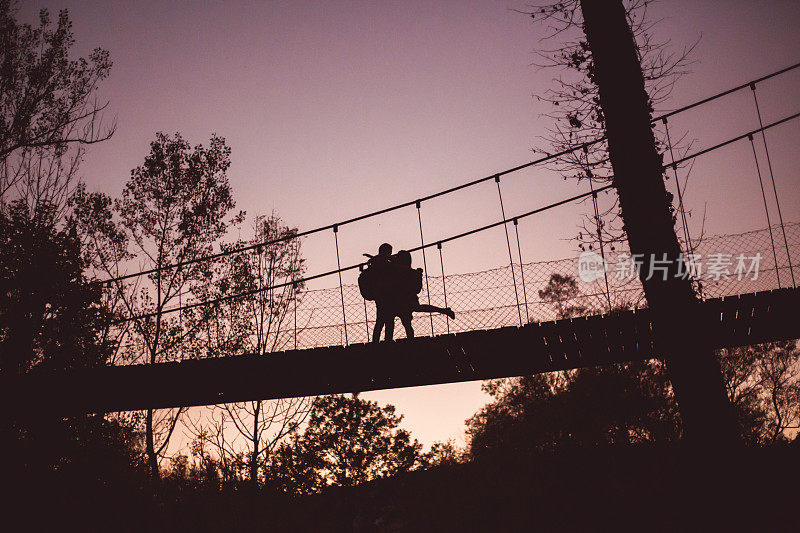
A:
(394, 285)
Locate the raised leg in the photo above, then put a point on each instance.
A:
(425, 308)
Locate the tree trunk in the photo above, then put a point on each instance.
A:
(645, 209)
(254, 456)
(150, 448)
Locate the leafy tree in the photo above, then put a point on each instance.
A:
(49, 112)
(779, 372)
(763, 384)
(445, 454)
(49, 315)
(630, 402)
(252, 292)
(257, 324)
(195, 473)
(348, 441)
(52, 319)
(633, 402)
(105, 251)
(616, 404)
(563, 293)
(294, 469)
(173, 210)
(522, 416)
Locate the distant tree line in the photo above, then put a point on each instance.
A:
(633, 402)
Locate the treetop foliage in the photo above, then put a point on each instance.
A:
(48, 103)
(44, 92)
(49, 316)
(347, 441)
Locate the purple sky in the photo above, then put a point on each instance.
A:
(336, 108)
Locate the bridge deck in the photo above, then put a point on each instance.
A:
(476, 355)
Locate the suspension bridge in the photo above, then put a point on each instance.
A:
(505, 325)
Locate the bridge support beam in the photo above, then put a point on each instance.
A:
(645, 209)
(468, 356)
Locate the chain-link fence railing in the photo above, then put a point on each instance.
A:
(724, 265)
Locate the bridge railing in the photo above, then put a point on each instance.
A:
(488, 299)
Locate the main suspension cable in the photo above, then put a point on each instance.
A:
(546, 158)
(466, 233)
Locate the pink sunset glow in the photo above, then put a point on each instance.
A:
(334, 109)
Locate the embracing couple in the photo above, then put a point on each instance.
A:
(394, 284)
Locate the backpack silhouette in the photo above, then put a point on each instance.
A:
(373, 281)
(367, 283)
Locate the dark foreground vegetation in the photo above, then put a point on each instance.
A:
(643, 487)
(588, 448)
